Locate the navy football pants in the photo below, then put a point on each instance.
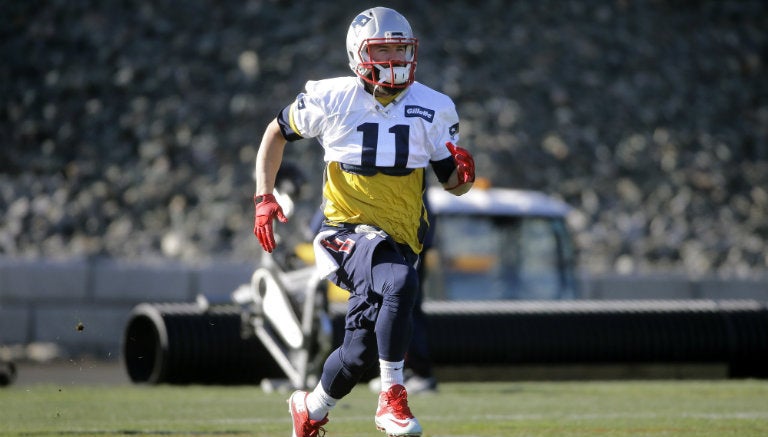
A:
(379, 318)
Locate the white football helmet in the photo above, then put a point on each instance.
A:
(375, 27)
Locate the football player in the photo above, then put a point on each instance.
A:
(380, 130)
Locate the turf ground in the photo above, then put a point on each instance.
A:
(607, 408)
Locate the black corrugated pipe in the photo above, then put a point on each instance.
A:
(183, 343)
(187, 344)
(601, 332)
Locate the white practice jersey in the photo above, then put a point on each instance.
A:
(354, 128)
(396, 141)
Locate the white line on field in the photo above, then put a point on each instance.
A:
(743, 415)
(627, 415)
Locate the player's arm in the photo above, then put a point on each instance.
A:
(457, 172)
(268, 160)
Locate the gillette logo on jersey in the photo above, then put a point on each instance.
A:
(418, 111)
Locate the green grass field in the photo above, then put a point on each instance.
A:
(636, 408)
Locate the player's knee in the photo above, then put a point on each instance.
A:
(404, 285)
(356, 360)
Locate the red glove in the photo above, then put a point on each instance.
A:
(266, 210)
(465, 164)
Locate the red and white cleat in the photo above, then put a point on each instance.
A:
(393, 415)
(303, 426)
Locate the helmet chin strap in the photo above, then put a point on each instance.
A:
(401, 74)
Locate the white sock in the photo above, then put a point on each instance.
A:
(319, 403)
(391, 373)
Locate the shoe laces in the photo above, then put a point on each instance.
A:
(397, 400)
(314, 428)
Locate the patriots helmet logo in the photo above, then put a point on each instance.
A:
(360, 21)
